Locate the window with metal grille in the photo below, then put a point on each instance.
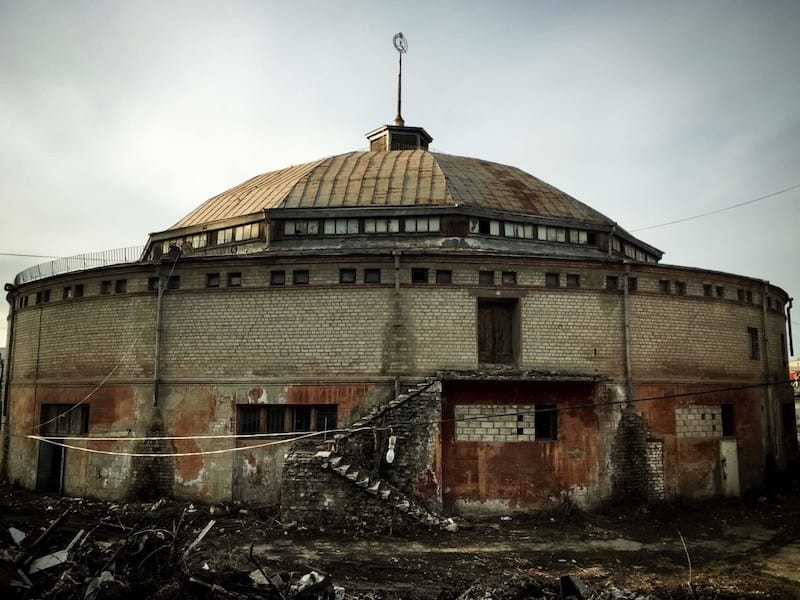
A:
(64, 419)
(284, 418)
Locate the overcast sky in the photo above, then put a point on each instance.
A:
(117, 118)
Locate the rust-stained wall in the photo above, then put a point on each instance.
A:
(344, 344)
(511, 477)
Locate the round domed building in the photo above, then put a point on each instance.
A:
(395, 331)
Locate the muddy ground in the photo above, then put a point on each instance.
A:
(743, 548)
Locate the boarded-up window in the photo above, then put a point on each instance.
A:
(496, 331)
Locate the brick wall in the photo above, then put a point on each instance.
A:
(220, 343)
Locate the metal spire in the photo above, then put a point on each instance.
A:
(401, 45)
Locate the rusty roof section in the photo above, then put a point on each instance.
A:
(404, 178)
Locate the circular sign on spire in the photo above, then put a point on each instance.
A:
(400, 43)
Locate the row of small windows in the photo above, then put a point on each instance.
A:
(419, 275)
(529, 231)
(300, 227)
(240, 233)
(630, 251)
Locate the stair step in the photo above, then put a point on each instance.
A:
(384, 494)
(363, 482)
(342, 470)
(353, 475)
(403, 505)
(335, 460)
(375, 487)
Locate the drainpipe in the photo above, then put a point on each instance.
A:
(626, 335)
(789, 325)
(266, 229)
(157, 352)
(6, 377)
(770, 412)
(396, 254)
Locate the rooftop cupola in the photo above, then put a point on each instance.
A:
(398, 136)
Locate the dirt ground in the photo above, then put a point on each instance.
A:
(743, 548)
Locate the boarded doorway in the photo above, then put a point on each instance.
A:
(729, 466)
(496, 339)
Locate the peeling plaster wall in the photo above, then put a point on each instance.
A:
(329, 343)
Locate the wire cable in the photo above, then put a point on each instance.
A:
(719, 210)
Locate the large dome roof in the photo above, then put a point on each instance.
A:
(396, 178)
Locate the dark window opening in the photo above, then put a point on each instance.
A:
(372, 275)
(78, 290)
(740, 295)
(728, 424)
(552, 279)
(752, 334)
(444, 277)
(720, 291)
(496, 331)
(120, 286)
(419, 275)
(633, 284)
(174, 282)
(749, 296)
(545, 422)
(300, 277)
(105, 287)
(573, 280)
(591, 238)
(483, 226)
(680, 288)
(234, 280)
(612, 282)
(277, 277)
(284, 418)
(152, 284)
(212, 280)
(707, 290)
(67, 292)
(664, 286)
(347, 275)
(486, 278)
(509, 278)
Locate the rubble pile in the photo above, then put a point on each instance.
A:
(139, 550)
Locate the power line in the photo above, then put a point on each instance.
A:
(719, 210)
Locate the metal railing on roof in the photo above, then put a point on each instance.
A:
(79, 262)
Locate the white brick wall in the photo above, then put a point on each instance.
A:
(655, 468)
(698, 421)
(494, 423)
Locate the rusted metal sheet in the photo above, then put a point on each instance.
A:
(407, 178)
(346, 397)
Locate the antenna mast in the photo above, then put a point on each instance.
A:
(401, 45)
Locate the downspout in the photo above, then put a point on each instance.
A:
(789, 325)
(4, 437)
(266, 230)
(396, 254)
(626, 336)
(776, 448)
(157, 352)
